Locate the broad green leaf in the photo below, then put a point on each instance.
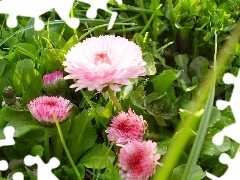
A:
(57, 40)
(23, 123)
(3, 64)
(103, 115)
(27, 49)
(215, 117)
(37, 150)
(71, 42)
(163, 146)
(150, 64)
(70, 173)
(137, 98)
(30, 34)
(197, 174)
(51, 61)
(163, 82)
(27, 78)
(199, 65)
(95, 157)
(182, 62)
(211, 149)
(82, 135)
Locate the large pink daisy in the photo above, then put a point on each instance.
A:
(105, 61)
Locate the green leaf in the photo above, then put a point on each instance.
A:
(199, 65)
(23, 123)
(95, 157)
(211, 149)
(197, 173)
(27, 49)
(150, 64)
(137, 98)
(82, 135)
(182, 62)
(3, 64)
(37, 150)
(163, 82)
(51, 61)
(70, 173)
(163, 146)
(215, 117)
(25, 77)
(71, 42)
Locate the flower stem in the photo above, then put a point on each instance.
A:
(46, 144)
(105, 156)
(65, 147)
(115, 100)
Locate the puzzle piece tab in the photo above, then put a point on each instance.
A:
(44, 171)
(102, 4)
(232, 172)
(8, 141)
(231, 131)
(36, 8)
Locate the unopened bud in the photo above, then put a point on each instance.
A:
(9, 96)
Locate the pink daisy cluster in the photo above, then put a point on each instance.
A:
(43, 107)
(138, 160)
(52, 77)
(126, 127)
(105, 61)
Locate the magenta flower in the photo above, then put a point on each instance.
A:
(43, 107)
(126, 127)
(138, 160)
(52, 77)
(105, 61)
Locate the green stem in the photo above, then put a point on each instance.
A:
(197, 145)
(46, 144)
(115, 100)
(65, 147)
(141, 4)
(170, 7)
(105, 157)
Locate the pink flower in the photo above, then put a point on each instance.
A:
(43, 107)
(138, 160)
(105, 61)
(52, 77)
(126, 127)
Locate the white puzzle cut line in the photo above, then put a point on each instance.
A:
(8, 141)
(231, 131)
(44, 171)
(8, 133)
(36, 8)
(233, 172)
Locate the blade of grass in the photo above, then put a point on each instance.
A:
(150, 20)
(61, 22)
(198, 142)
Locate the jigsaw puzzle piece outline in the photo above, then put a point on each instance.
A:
(44, 170)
